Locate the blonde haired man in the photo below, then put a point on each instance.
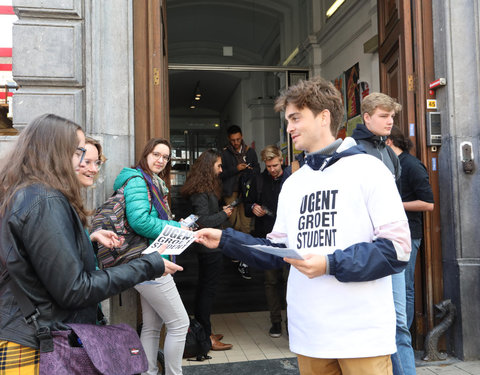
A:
(378, 111)
(261, 204)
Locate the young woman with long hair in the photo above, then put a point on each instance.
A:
(43, 244)
(204, 188)
(146, 191)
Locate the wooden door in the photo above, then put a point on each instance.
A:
(150, 71)
(406, 66)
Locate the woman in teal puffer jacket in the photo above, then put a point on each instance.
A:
(148, 212)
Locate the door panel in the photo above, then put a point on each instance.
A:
(404, 33)
(150, 72)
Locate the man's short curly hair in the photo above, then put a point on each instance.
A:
(316, 94)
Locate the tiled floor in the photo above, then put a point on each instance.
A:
(248, 332)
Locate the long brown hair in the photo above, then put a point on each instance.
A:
(142, 163)
(43, 154)
(202, 178)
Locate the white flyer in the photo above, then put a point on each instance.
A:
(278, 251)
(177, 240)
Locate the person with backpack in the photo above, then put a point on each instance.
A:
(146, 189)
(203, 187)
(44, 248)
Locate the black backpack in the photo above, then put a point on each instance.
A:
(197, 343)
(111, 216)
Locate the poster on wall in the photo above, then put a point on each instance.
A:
(352, 124)
(339, 84)
(352, 91)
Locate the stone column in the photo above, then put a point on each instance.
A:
(456, 35)
(75, 59)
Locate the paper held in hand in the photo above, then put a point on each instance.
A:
(278, 251)
(177, 240)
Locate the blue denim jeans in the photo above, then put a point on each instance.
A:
(410, 281)
(403, 361)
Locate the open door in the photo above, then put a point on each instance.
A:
(406, 66)
(151, 71)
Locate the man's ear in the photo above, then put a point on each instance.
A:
(366, 118)
(326, 117)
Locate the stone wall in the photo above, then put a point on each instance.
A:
(456, 35)
(75, 59)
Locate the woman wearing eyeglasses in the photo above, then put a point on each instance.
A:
(148, 212)
(87, 173)
(43, 245)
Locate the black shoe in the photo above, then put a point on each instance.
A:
(244, 271)
(275, 330)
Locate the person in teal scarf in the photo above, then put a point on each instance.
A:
(148, 212)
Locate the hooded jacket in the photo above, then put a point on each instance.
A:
(342, 206)
(45, 248)
(359, 262)
(141, 216)
(375, 145)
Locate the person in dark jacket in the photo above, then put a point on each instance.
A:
(373, 133)
(43, 243)
(417, 197)
(240, 166)
(378, 111)
(203, 187)
(261, 204)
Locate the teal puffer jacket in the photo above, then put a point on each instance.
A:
(143, 221)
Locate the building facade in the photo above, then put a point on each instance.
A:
(104, 65)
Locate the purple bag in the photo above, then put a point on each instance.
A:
(89, 349)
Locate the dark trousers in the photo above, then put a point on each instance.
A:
(209, 271)
(275, 291)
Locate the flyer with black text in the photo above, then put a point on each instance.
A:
(177, 240)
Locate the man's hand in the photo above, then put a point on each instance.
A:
(243, 166)
(107, 238)
(312, 265)
(258, 210)
(208, 237)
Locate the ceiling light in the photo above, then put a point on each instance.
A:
(334, 8)
(216, 125)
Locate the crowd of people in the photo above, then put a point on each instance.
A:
(349, 299)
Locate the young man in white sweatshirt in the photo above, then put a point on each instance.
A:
(342, 212)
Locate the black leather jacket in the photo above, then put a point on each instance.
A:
(210, 215)
(47, 251)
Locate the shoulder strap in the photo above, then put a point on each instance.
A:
(30, 314)
(149, 192)
(395, 161)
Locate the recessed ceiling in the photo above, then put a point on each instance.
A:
(198, 31)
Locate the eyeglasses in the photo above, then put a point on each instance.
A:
(158, 156)
(97, 163)
(81, 154)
